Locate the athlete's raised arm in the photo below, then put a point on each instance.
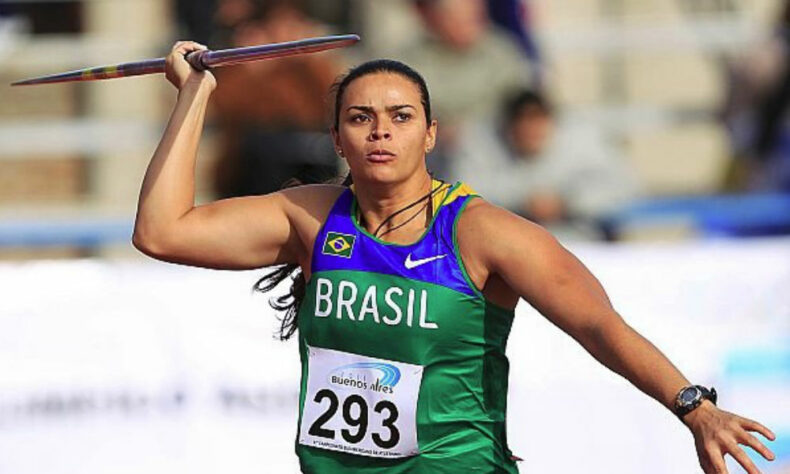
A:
(238, 233)
(537, 268)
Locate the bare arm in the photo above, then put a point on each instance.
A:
(558, 285)
(238, 233)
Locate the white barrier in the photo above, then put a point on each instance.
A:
(110, 367)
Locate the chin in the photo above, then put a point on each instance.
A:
(381, 177)
(382, 174)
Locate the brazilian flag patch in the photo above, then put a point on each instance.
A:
(338, 244)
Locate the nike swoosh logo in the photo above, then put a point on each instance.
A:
(409, 263)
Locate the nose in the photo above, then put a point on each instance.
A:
(380, 131)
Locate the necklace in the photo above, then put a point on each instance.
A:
(429, 205)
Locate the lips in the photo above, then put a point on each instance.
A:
(380, 155)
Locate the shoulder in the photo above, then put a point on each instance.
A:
(489, 235)
(418, 48)
(312, 196)
(501, 50)
(308, 206)
(503, 45)
(501, 40)
(481, 216)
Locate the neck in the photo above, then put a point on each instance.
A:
(377, 202)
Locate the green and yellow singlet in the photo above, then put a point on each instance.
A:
(403, 359)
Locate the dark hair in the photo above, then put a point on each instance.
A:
(523, 99)
(288, 304)
(375, 66)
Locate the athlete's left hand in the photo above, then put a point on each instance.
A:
(717, 432)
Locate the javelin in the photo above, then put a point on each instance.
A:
(200, 60)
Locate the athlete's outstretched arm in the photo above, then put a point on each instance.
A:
(558, 285)
(247, 232)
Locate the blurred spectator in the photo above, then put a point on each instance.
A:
(756, 113)
(213, 22)
(271, 114)
(195, 20)
(560, 176)
(469, 65)
(514, 16)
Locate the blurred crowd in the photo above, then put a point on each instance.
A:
(500, 130)
(755, 112)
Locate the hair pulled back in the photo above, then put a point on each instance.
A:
(377, 66)
(288, 304)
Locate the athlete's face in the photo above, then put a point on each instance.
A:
(382, 130)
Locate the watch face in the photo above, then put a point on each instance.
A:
(689, 395)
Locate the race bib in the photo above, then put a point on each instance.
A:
(360, 405)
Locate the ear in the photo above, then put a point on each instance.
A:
(336, 142)
(430, 136)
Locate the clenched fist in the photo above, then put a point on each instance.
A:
(179, 72)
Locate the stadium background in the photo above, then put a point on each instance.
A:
(111, 362)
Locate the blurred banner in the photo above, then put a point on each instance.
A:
(123, 367)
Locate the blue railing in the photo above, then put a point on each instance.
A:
(725, 215)
(711, 216)
(81, 233)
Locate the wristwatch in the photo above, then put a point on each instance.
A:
(691, 397)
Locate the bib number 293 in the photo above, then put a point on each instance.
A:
(355, 416)
(360, 405)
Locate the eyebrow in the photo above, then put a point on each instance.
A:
(391, 108)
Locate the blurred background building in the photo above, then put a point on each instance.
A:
(617, 120)
(676, 90)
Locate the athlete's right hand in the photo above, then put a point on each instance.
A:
(180, 73)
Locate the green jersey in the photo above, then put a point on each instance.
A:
(403, 359)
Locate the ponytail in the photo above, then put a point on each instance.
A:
(287, 304)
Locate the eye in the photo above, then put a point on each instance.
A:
(402, 117)
(360, 118)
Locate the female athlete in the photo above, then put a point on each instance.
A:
(408, 291)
